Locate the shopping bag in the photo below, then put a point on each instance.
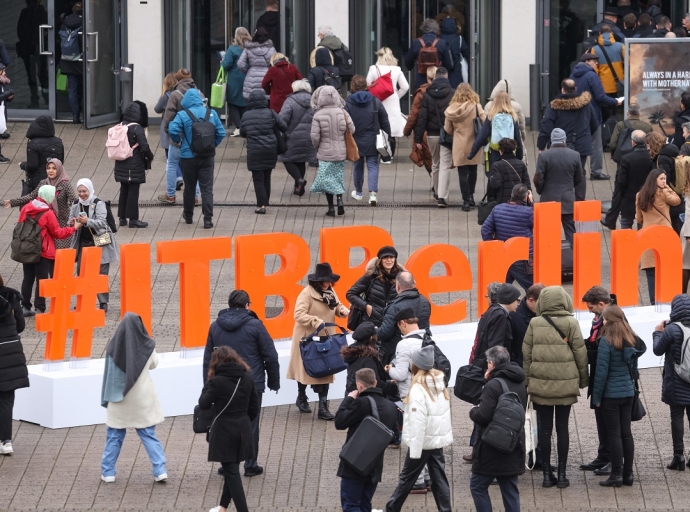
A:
(61, 82)
(382, 144)
(218, 90)
(3, 123)
(531, 438)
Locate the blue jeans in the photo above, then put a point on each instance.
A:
(173, 171)
(479, 487)
(372, 174)
(113, 443)
(74, 92)
(356, 494)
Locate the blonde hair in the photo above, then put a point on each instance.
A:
(242, 35)
(419, 377)
(169, 82)
(386, 57)
(431, 72)
(465, 94)
(278, 56)
(501, 104)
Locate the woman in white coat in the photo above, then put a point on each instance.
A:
(386, 63)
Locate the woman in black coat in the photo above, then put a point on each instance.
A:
(675, 392)
(257, 126)
(42, 146)
(323, 68)
(13, 372)
(507, 172)
(363, 354)
(131, 173)
(376, 288)
(230, 390)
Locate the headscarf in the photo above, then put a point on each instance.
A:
(86, 182)
(61, 174)
(47, 193)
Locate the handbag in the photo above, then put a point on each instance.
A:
(321, 355)
(356, 315)
(638, 411)
(61, 81)
(218, 88)
(382, 145)
(204, 418)
(103, 239)
(445, 139)
(531, 438)
(281, 137)
(3, 123)
(382, 87)
(620, 87)
(477, 121)
(352, 152)
(469, 383)
(484, 209)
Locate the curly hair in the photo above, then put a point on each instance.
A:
(358, 83)
(655, 142)
(464, 93)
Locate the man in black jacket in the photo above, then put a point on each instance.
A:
(494, 326)
(408, 297)
(520, 319)
(357, 491)
(270, 21)
(239, 328)
(681, 118)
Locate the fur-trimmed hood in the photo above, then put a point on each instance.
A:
(357, 351)
(571, 101)
(371, 266)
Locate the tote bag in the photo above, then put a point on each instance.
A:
(352, 153)
(321, 354)
(3, 123)
(531, 431)
(218, 90)
(382, 87)
(61, 82)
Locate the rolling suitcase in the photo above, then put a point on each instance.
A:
(566, 262)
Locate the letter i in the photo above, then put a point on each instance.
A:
(587, 250)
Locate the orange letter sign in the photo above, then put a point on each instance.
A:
(547, 243)
(495, 257)
(587, 252)
(135, 281)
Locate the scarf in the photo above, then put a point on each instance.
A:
(60, 177)
(86, 182)
(597, 325)
(328, 297)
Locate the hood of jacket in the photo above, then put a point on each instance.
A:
(510, 371)
(192, 98)
(270, 20)
(257, 99)
(132, 113)
(322, 57)
(328, 97)
(680, 309)
(74, 20)
(259, 48)
(670, 150)
(606, 39)
(571, 101)
(581, 69)
(554, 301)
(42, 126)
(302, 98)
(230, 370)
(459, 112)
(439, 88)
(448, 26)
(333, 43)
(361, 98)
(503, 85)
(7, 296)
(437, 378)
(357, 351)
(184, 85)
(232, 319)
(654, 11)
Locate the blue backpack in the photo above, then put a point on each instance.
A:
(502, 127)
(69, 43)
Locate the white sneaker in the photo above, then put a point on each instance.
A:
(384, 162)
(108, 479)
(356, 196)
(6, 449)
(216, 509)
(236, 133)
(372, 198)
(162, 477)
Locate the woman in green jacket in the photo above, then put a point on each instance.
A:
(555, 364)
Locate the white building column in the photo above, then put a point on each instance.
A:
(518, 46)
(145, 49)
(335, 14)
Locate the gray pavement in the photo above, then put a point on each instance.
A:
(59, 469)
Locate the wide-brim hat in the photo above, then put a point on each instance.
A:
(323, 272)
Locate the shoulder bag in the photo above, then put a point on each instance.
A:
(445, 139)
(204, 419)
(321, 355)
(476, 122)
(352, 152)
(356, 315)
(620, 87)
(531, 437)
(469, 383)
(103, 239)
(382, 87)
(281, 137)
(560, 333)
(484, 208)
(382, 145)
(638, 412)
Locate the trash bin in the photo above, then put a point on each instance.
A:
(126, 85)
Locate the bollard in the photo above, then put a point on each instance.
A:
(534, 97)
(126, 85)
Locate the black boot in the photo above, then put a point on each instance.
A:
(563, 482)
(324, 413)
(615, 479)
(302, 402)
(341, 207)
(331, 210)
(678, 462)
(549, 479)
(628, 478)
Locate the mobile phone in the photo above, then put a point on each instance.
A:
(400, 406)
(82, 214)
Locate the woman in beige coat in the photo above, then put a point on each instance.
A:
(652, 208)
(316, 304)
(463, 109)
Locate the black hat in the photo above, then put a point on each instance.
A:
(588, 56)
(364, 331)
(404, 314)
(611, 11)
(387, 250)
(507, 294)
(322, 273)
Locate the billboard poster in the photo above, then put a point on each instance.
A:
(658, 72)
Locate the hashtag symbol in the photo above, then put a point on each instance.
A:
(86, 317)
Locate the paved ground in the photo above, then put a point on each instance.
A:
(59, 469)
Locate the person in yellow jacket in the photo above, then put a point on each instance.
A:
(615, 52)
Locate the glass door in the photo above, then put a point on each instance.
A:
(297, 31)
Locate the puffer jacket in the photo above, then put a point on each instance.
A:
(13, 371)
(50, 229)
(257, 127)
(426, 422)
(400, 365)
(42, 145)
(180, 129)
(508, 220)
(254, 62)
(364, 109)
(614, 51)
(574, 114)
(298, 115)
(414, 110)
(674, 390)
(505, 174)
(432, 111)
(358, 356)
(175, 101)
(329, 124)
(277, 83)
(324, 64)
(555, 370)
(612, 378)
(389, 335)
(378, 291)
(133, 169)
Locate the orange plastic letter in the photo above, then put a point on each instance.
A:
(495, 258)
(250, 253)
(194, 257)
(135, 281)
(547, 243)
(586, 252)
(626, 249)
(335, 249)
(458, 277)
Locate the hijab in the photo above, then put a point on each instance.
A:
(47, 193)
(86, 182)
(60, 177)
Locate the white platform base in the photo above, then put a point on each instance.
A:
(69, 394)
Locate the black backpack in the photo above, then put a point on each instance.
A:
(203, 135)
(441, 362)
(343, 61)
(332, 79)
(508, 422)
(27, 243)
(108, 215)
(624, 145)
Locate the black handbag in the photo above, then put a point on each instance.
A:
(484, 209)
(476, 122)
(445, 139)
(356, 315)
(638, 411)
(321, 355)
(469, 383)
(281, 138)
(204, 419)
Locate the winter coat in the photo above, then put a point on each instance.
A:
(13, 371)
(369, 116)
(493, 330)
(633, 172)
(426, 422)
(457, 47)
(486, 460)
(484, 137)
(310, 313)
(682, 117)
(615, 52)
(555, 370)
(329, 125)
(42, 145)
(378, 291)
(505, 174)
(666, 160)
(96, 222)
(254, 62)
(133, 169)
(230, 438)
(332, 42)
(658, 214)
(241, 330)
(559, 170)
(388, 334)
(4, 56)
(257, 126)
(324, 65)
(413, 118)
(140, 408)
(358, 356)
(668, 343)
(68, 67)
(50, 229)
(586, 79)
(634, 122)
(574, 114)
(175, 101)
(270, 20)
(506, 86)
(234, 76)
(519, 321)
(432, 110)
(298, 115)
(160, 109)
(392, 103)
(64, 197)
(459, 120)
(277, 83)
(351, 413)
(413, 52)
(508, 220)
(614, 28)
(400, 370)
(180, 130)
(613, 379)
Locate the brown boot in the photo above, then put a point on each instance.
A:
(165, 198)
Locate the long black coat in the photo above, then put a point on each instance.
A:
(635, 166)
(432, 110)
(389, 335)
(364, 109)
(505, 174)
(350, 415)
(133, 170)
(230, 439)
(486, 460)
(674, 390)
(257, 127)
(42, 145)
(682, 117)
(379, 291)
(574, 114)
(298, 114)
(13, 371)
(519, 321)
(358, 356)
(494, 329)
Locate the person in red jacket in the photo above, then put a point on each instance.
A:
(278, 80)
(50, 230)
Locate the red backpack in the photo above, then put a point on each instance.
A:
(427, 56)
